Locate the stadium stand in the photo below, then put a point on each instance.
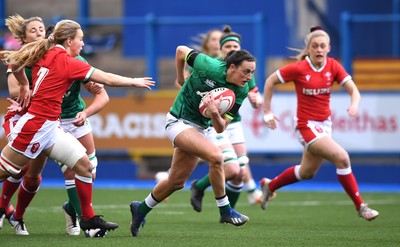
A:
(377, 74)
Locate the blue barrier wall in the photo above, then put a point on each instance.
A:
(172, 35)
(284, 23)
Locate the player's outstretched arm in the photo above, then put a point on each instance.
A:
(114, 80)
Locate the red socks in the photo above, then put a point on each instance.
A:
(25, 195)
(9, 188)
(286, 177)
(7, 192)
(349, 184)
(84, 190)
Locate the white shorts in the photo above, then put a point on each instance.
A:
(314, 131)
(174, 126)
(31, 135)
(76, 131)
(233, 134)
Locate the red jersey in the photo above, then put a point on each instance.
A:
(313, 87)
(52, 76)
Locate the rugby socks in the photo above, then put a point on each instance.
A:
(250, 186)
(288, 176)
(84, 188)
(349, 183)
(233, 192)
(10, 185)
(28, 190)
(203, 183)
(223, 204)
(73, 205)
(148, 204)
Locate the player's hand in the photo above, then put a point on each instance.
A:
(211, 103)
(269, 119)
(24, 98)
(95, 87)
(352, 111)
(14, 106)
(80, 118)
(145, 82)
(255, 99)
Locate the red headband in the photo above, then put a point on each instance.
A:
(315, 28)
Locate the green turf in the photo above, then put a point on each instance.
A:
(292, 219)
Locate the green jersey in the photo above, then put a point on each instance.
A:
(208, 73)
(72, 101)
(252, 84)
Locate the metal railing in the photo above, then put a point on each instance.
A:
(151, 22)
(348, 19)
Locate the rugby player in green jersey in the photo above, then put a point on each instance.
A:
(185, 127)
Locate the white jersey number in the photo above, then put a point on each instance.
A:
(42, 73)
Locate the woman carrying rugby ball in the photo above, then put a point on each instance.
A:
(185, 127)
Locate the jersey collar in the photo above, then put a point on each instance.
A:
(58, 45)
(313, 67)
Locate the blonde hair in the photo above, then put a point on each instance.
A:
(17, 26)
(206, 39)
(31, 53)
(202, 40)
(307, 40)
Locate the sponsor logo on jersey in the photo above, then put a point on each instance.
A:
(210, 83)
(316, 91)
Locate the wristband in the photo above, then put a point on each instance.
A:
(268, 117)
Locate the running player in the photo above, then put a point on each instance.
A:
(313, 76)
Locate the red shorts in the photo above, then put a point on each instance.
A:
(10, 120)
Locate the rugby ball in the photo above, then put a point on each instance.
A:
(227, 97)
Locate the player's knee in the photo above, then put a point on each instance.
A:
(232, 171)
(343, 160)
(69, 174)
(31, 184)
(83, 167)
(215, 158)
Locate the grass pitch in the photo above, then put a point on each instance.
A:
(292, 219)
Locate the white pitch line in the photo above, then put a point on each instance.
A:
(210, 205)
